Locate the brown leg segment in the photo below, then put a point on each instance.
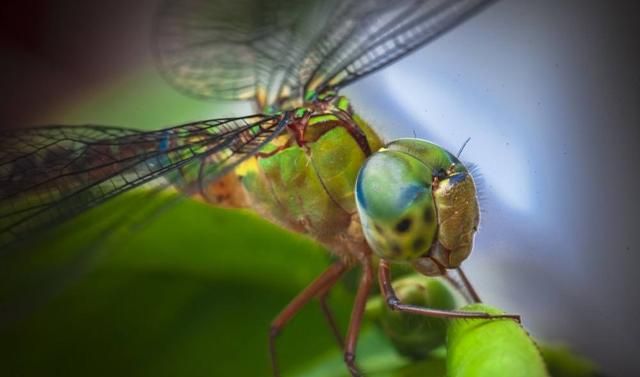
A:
(328, 315)
(394, 303)
(356, 317)
(319, 286)
(358, 135)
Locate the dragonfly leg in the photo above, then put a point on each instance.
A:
(356, 317)
(465, 288)
(322, 283)
(331, 320)
(384, 277)
(356, 132)
(468, 286)
(298, 127)
(456, 284)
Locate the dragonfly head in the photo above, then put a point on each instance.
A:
(418, 204)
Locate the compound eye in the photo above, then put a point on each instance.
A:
(396, 207)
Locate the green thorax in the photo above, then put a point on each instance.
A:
(310, 188)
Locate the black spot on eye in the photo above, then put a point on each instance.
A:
(419, 244)
(396, 249)
(427, 215)
(403, 225)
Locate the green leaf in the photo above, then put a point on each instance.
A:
(494, 347)
(188, 293)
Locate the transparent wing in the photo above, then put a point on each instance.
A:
(378, 38)
(49, 174)
(273, 52)
(236, 49)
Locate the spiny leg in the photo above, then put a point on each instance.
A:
(322, 283)
(356, 317)
(384, 276)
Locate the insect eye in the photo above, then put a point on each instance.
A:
(392, 197)
(403, 225)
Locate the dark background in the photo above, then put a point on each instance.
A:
(549, 92)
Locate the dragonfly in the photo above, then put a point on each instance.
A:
(305, 160)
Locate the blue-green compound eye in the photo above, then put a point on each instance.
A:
(435, 157)
(395, 203)
(417, 203)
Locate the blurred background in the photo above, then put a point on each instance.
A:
(548, 92)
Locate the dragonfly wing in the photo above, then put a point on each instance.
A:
(243, 49)
(49, 174)
(380, 37)
(222, 49)
(274, 51)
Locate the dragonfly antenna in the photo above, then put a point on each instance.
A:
(462, 147)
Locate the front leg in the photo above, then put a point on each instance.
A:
(384, 277)
(466, 288)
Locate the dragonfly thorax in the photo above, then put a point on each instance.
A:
(305, 179)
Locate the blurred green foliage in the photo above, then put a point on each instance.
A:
(153, 285)
(564, 363)
(141, 100)
(189, 292)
